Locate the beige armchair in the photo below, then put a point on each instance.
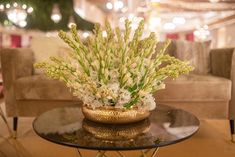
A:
(207, 96)
(40, 93)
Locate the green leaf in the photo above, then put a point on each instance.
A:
(133, 88)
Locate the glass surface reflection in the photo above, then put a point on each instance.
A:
(67, 126)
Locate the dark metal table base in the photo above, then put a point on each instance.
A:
(144, 153)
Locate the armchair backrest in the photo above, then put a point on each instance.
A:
(221, 62)
(16, 63)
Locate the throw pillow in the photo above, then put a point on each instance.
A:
(45, 47)
(197, 53)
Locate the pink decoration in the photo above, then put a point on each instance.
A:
(189, 36)
(15, 41)
(174, 36)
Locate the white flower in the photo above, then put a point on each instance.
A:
(124, 97)
(148, 102)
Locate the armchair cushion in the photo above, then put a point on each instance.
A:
(196, 88)
(39, 87)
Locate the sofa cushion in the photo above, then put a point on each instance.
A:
(196, 88)
(39, 87)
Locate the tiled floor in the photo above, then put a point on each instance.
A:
(213, 139)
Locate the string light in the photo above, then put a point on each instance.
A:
(15, 4)
(30, 10)
(24, 6)
(8, 5)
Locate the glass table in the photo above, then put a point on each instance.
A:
(165, 126)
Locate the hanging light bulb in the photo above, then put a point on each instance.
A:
(2, 7)
(71, 21)
(56, 15)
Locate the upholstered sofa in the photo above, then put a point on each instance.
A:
(207, 96)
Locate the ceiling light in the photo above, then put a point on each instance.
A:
(169, 26)
(179, 20)
(30, 10)
(109, 5)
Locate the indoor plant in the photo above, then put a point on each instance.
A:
(114, 75)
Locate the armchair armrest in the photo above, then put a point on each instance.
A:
(15, 63)
(223, 65)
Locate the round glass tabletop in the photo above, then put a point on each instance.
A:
(67, 126)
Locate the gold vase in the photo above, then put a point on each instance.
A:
(111, 115)
(112, 132)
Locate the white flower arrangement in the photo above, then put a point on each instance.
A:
(115, 70)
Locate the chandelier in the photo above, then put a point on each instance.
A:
(202, 33)
(16, 13)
